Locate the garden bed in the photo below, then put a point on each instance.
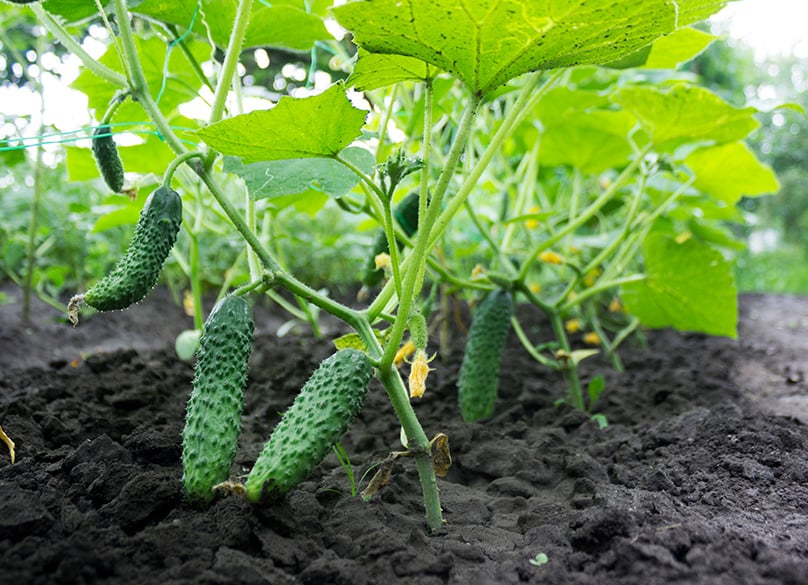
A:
(701, 476)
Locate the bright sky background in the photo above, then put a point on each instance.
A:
(772, 27)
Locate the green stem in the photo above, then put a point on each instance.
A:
(587, 214)
(37, 199)
(175, 164)
(64, 37)
(528, 345)
(413, 278)
(231, 60)
(417, 442)
(599, 288)
(523, 105)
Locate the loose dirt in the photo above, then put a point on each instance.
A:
(701, 476)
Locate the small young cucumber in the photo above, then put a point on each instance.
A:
(137, 272)
(106, 157)
(320, 414)
(479, 372)
(213, 415)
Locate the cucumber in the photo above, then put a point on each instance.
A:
(213, 414)
(406, 214)
(479, 372)
(137, 272)
(106, 157)
(320, 414)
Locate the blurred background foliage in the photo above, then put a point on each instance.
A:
(75, 238)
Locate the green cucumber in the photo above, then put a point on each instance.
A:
(320, 414)
(406, 214)
(479, 373)
(213, 414)
(137, 272)
(106, 157)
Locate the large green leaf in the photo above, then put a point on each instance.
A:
(488, 42)
(317, 126)
(686, 112)
(284, 25)
(277, 178)
(731, 171)
(688, 286)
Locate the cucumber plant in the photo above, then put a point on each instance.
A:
(524, 117)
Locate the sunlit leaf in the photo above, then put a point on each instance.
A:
(284, 25)
(688, 286)
(677, 48)
(71, 10)
(686, 113)
(731, 171)
(487, 43)
(373, 70)
(668, 52)
(317, 126)
(270, 179)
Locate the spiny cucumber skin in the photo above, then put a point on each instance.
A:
(320, 414)
(479, 373)
(213, 414)
(137, 272)
(106, 157)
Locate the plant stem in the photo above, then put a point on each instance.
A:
(418, 443)
(586, 214)
(64, 37)
(231, 60)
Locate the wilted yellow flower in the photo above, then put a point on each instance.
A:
(572, 326)
(616, 306)
(532, 224)
(403, 353)
(477, 272)
(550, 257)
(382, 260)
(419, 370)
(592, 338)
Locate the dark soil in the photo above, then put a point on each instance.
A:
(701, 476)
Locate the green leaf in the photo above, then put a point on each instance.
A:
(285, 25)
(669, 51)
(11, 157)
(731, 171)
(373, 70)
(317, 126)
(586, 148)
(688, 285)
(678, 48)
(271, 179)
(487, 43)
(581, 129)
(71, 10)
(181, 84)
(686, 113)
(126, 215)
